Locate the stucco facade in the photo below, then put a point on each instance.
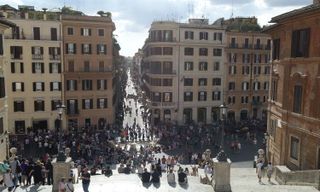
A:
(33, 51)
(247, 69)
(88, 70)
(294, 106)
(183, 71)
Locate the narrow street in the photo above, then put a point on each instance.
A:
(135, 122)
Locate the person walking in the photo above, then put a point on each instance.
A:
(269, 171)
(62, 185)
(85, 180)
(259, 170)
(8, 180)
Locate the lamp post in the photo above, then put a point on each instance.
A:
(223, 112)
(6, 133)
(60, 108)
(266, 137)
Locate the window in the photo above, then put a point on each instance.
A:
(102, 103)
(217, 36)
(54, 34)
(300, 43)
(1, 44)
(155, 67)
(167, 50)
(256, 86)
(54, 104)
(245, 58)
(18, 86)
(36, 33)
(71, 85)
(202, 82)
(188, 35)
(217, 52)
(17, 67)
(37, 67)
(55, 86)
(216, 66)
(216, 81)
(156, 97)
(101, 66)
(267, 70)
(202, 96)
(71, 48)
(87, 103)
(232, 70)
(266, 58)
(244, 99)
(297, 100)
(232, 86)
(54, 67)
(86, 48)
(216, 96)
(203, 66)
(294, 148)
(188, 51)
(85, 32)
(257, 58)
(245, 70)
(188, 96)
(38, 105)
(167, 97)
(246, 43)
(18, 106)
(231, 100)
(86, 66)
(1, 126)
(15, 32)
(167, 36)
(37, 53)
(100, 32)
(245, 86)
(86, 85)
(167, 67)
(232, 57)
(102, 84)
(276, 49)
(38, 86)
(188, 82)
(2, 88)
(188, 66)
(70, 31)
(72, 106)
(203, 52)
(167, 82)
(257, 70)
(203, 35)
(70, 66)
(101, 49)
(16, 52)
(274, 90)
(266, 85)
(54, 53)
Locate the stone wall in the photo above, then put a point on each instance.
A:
(285, 176)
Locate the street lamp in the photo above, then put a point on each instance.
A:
(266, 137)
(223, 112)
(6, 133)
(60, 108)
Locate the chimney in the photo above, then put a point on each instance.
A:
(316, 2)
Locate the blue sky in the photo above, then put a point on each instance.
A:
(133, 18)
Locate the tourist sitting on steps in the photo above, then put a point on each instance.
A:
(145, 177)
(182, 176)
(108, 172)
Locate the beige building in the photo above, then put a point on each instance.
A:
(247, 69)
(33, 84)
(88, 70)
(183, 70)
(4, 132)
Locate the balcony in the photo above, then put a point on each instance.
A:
(37, 57)
(13, 56)
(267, 47)
(246, 46)
(54, 57)
(73, 112)
(233, 45)
(258, 46)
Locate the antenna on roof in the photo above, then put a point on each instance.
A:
(232, 10)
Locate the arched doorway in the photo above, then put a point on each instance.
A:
(215, 114)
(244, 114)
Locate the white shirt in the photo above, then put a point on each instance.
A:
(8, 179)
(171, 178)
